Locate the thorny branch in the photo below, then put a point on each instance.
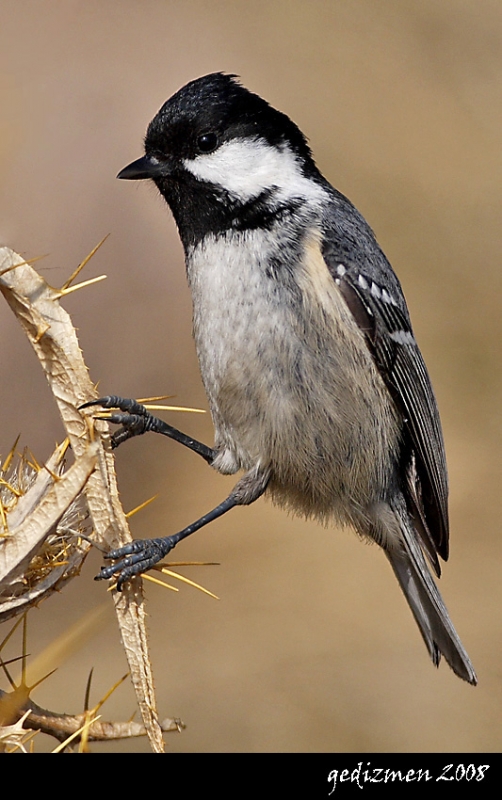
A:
(52, 335)
(60, 726)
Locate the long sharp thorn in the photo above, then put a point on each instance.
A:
(82, 264)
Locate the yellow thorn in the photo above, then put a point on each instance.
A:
(6, 464)
(25, 648)
(4, 517)
(160, 583)
(64, 292)
(174, 408)
(64, 447)
(13, 629)
(90, 429)
(154, 399)
(82, 264)
(191, 563)
(15, 492)
(140, 507)
(67, 741)
(106, 413)
(40, 680)
(88, 689)
(33, 463)
(109, 692)
(182, 578)
(55, 478)
(9, 269)
(22, 264)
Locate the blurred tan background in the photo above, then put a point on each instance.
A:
(311, 646)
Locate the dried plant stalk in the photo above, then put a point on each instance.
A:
(51, 333)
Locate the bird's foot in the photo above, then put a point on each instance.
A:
(135, 558)
(133, 417)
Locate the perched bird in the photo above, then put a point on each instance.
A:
(315, 382)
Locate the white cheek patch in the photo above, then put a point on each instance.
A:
(247, 167)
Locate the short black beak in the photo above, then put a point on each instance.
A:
(143, 168)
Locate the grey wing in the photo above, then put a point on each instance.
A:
(383, 317)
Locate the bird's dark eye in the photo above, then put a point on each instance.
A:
(207, 142)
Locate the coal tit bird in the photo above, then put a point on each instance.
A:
(315, 382)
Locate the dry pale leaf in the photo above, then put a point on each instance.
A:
(33, 529)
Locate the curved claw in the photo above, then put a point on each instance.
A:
(128, 405)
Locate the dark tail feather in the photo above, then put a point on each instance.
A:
(426, 603)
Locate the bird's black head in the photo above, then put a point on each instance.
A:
(215, 109)
(223, 157)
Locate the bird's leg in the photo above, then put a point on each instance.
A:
(140, 555)
(135, 420)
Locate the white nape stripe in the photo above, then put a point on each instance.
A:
(247, 167)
